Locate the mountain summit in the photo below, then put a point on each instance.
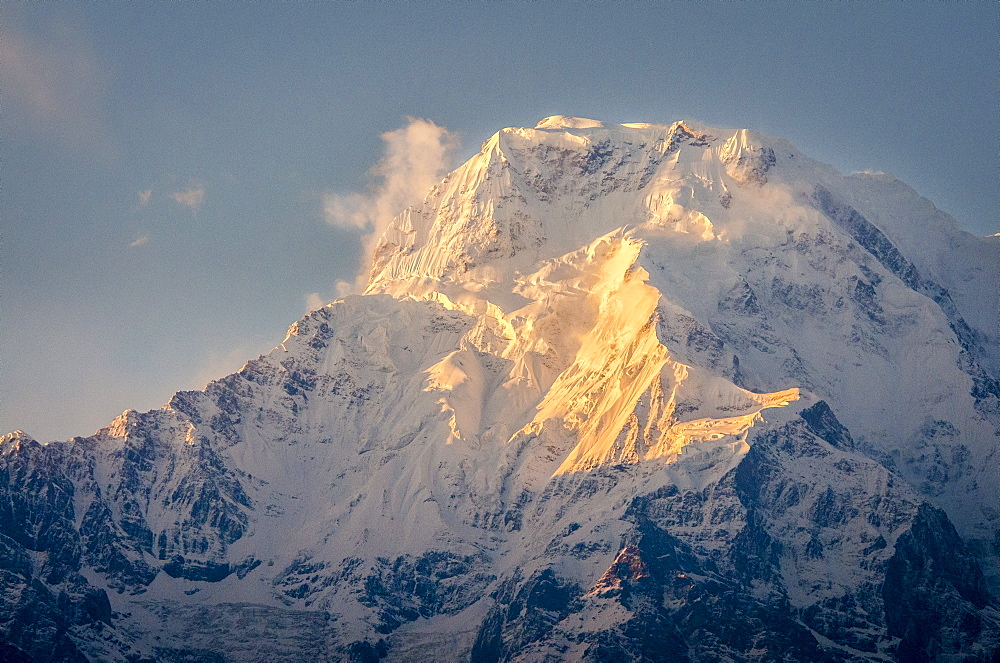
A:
(627, 392)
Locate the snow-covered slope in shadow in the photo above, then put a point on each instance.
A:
(614, 392)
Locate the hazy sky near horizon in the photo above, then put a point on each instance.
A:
(165, 166)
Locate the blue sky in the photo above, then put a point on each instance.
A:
(165, 165)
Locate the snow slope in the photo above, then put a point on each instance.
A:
(635, 391)
(737, 245)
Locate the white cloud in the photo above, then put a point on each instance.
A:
(140, 241)
(191, 198)
(314, 301)
(347, 211)
(341, 289)
(345, 288)
(216, 365)
(56, 84)
(144, 197)
(416, 157)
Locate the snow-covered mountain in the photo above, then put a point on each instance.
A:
(614, 393)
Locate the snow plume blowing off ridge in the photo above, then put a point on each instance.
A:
(416, 157)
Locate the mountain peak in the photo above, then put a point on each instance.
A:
(17, 436)
(573, 417)
(565, 122)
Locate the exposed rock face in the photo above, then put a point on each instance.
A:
(630, 392)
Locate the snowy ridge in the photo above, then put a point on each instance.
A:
(609, 387)
(719, 213)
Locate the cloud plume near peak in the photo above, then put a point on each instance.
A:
(416, 157)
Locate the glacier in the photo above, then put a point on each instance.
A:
(629, 392)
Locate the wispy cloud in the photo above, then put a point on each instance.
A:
(340, 289)
(140, 241)
(416, 157)
(56, 86)
(192, 198)
(314, 301)
(216, 365)
(344, 288)
(144, 197)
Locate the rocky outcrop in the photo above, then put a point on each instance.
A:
(615, 392)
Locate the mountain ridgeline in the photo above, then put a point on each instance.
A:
(613, 393)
